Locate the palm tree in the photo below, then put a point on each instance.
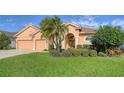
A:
(46, 27)
(53, 30)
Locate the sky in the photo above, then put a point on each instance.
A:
(14, 23)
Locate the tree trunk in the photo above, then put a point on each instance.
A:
(57, 44)
(60, 46)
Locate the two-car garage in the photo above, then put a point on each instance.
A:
(30, 38)
(37, 45)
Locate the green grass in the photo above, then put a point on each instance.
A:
(41, 64)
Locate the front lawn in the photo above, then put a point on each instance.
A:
(41, 64)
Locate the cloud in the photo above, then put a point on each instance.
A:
(25, 24)
(13, 24)
(89, 24)
(104, 23)
(9, 20)
(89, 18)
(84, 21)
(118, 22)
(85, 18)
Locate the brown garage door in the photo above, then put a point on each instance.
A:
(40, 45)
(25, 44)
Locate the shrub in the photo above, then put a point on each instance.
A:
(110, 52)
(80, 46)
(101, 54)
(93, 53)
(74, 51)
(114, 52)
(108, 37)
(66, 53)
(86, 46)
(117, 52)
(54, 53)
(85, 52)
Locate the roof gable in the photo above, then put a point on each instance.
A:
(71, 24)
(27, 27)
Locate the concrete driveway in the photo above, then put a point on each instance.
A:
(13, 52)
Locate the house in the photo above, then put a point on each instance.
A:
(31, 38)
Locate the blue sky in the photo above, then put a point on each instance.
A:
(14, 23)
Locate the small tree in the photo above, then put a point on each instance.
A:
(53, 30)
(4, 40)
(108, 37)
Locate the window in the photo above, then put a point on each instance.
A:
(88, 38)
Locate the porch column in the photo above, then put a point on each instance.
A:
(63, 44)
(76, 41)
(65, 41)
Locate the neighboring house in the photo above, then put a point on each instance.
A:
(12, 38)
(31, 38)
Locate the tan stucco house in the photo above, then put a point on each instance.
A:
(30, 38)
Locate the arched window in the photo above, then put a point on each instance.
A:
(88, 38)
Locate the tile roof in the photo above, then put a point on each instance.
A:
(87, 30)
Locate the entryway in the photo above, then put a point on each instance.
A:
(70, 41)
